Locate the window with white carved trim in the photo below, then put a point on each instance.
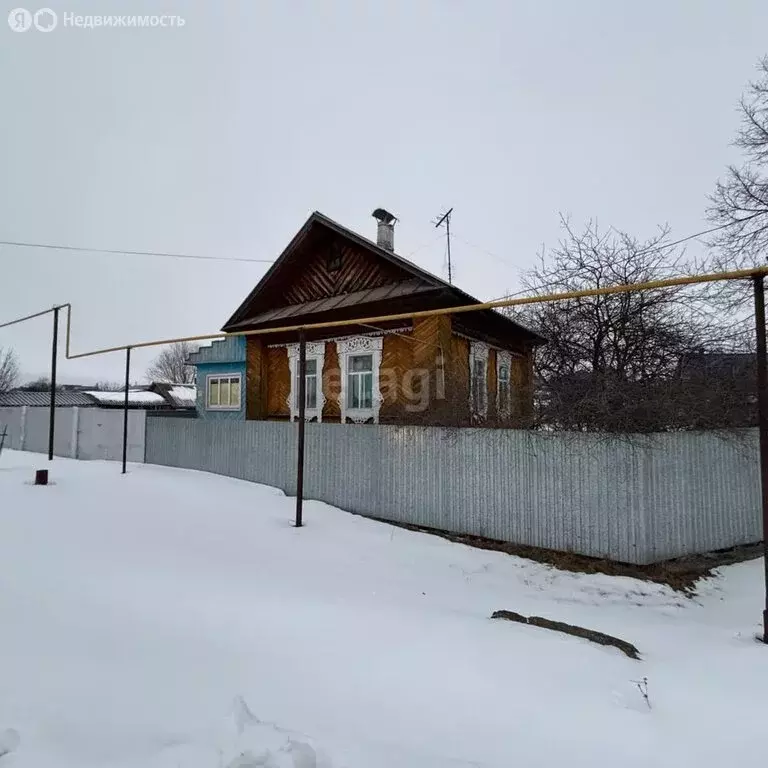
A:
(360, 363)
(360, 382)
(223, 393)
(313, 379)
(310, 385)
(478, 379)
(503, 383)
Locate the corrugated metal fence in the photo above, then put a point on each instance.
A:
(81, 433)
(640, 499)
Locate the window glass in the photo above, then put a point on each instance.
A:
(234, 392)
(360, 381)
(361, 363)
(224, 392)
(213, 392)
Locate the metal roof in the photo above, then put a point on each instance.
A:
(238, 321)
(405, 288)
(19, 398)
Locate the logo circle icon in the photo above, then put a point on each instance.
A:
(19, 19)
(46, 20)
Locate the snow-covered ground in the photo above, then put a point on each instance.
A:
(173, 619)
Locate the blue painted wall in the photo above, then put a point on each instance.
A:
(222, 357)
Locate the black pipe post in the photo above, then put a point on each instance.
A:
(762, 409)
(54, 359)
(125, 405)
(302, 413)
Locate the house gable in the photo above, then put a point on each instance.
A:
(322, 261)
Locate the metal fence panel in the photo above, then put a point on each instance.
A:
(635, 498)
(12, 420)
(81, 433)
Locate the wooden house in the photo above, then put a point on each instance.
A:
(472, 368)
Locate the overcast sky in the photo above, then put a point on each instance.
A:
(220, 137)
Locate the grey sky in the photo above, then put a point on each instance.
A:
(220, 137)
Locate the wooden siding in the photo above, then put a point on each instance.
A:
(359, 270)
(521, 376)
(395, 377)
(457, 381)
(255, 378)
(407, 379)
(278, 382)
(331, 383)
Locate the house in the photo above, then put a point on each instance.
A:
(448, 369)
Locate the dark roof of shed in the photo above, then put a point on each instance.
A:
(19, 398)
(431, 281)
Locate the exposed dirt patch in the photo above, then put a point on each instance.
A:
(571, 629)
(681, 574)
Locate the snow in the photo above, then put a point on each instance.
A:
(174, 619)
(184, 395)
(135, 396)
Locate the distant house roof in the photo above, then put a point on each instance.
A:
(137, 398)
(154, 396)
(19, 398)
(176, 395)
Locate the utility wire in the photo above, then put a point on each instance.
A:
(133, 253)
(652, 249)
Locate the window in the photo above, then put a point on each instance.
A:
(360, 381)
(223, 393)
(310, 378)
(360, 362)
(478, 379)
(503, 386)
(314, 400)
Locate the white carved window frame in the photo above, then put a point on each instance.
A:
(315, 351)
(350, 347)
(478, 351)
(503, 405)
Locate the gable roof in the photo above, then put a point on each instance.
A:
(420, 281)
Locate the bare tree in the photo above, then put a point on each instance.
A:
(171, 366)
(623, 362)
(9, 369)
(41, 384)
(108, 386)
(740, 201)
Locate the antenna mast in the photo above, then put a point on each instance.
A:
(446, 217)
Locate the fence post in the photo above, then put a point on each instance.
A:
(54, 356)
(302, 414)
(125, 405)
(74, 435)
(762, 410)
(23, 428)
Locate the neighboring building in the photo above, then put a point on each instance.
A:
(455, 369)
(19, 398)
(155, 397)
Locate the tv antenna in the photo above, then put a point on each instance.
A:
(446, 217)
